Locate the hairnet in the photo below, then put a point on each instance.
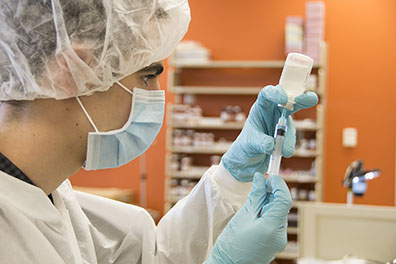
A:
(61, 48)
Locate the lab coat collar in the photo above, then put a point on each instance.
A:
(29, 199)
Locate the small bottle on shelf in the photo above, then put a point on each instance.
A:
(177, 138)
(174, 189)
(175, 166)
(303, 194)
(311, 195)
(231, 113)
(224, 116)
(239, 115)
(185, 163)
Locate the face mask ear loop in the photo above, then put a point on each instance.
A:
(86, 114)
(124, 87)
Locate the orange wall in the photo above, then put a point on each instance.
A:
(360, 92)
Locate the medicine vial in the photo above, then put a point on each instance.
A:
(294, 76)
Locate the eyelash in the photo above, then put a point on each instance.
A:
(147, 78)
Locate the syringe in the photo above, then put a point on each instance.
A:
(276, 157)
(293, 81)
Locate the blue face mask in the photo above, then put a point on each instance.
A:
(115, 148)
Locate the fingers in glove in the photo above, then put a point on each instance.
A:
(280, 206)
(290, 139)
(258, 194)
(260, 143)
(273, 94)
(305, 100)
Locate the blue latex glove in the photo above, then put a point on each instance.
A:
(258, 230)
(251, 151)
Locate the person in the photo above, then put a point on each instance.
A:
(79, 88)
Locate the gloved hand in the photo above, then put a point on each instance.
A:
(258, 230)
(251, 151)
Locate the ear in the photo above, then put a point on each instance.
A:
(84, 54)
(62, 74)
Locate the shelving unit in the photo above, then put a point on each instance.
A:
(216, 90)
(292, 230)
(194, 173)
(216, 149)
(211, 124)
(271, 64)
(179, 85)
(287, 255)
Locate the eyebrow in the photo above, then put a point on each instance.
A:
(158, 68)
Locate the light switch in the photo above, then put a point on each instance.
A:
(349, 137)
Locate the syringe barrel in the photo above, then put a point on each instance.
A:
(276, 157)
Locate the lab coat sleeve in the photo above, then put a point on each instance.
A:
(187, 233)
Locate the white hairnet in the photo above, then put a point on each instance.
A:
(65, 48)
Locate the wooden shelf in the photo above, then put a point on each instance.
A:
(298, 203)
(305, 154)
(300, 179)
(265, 64)
(216, 90)
(206, 125)
(216, 149)
(292, 230)
(305, 128)
(287, 255)
(195, 172)
(201, 124)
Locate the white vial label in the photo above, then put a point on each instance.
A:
(293, 80)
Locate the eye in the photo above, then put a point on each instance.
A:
(149, 75)
(148, 78)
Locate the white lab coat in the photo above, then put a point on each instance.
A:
(83, 228)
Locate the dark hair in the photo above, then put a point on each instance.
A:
(17, 108)
(32, 22)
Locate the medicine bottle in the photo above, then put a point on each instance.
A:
(294, 76)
